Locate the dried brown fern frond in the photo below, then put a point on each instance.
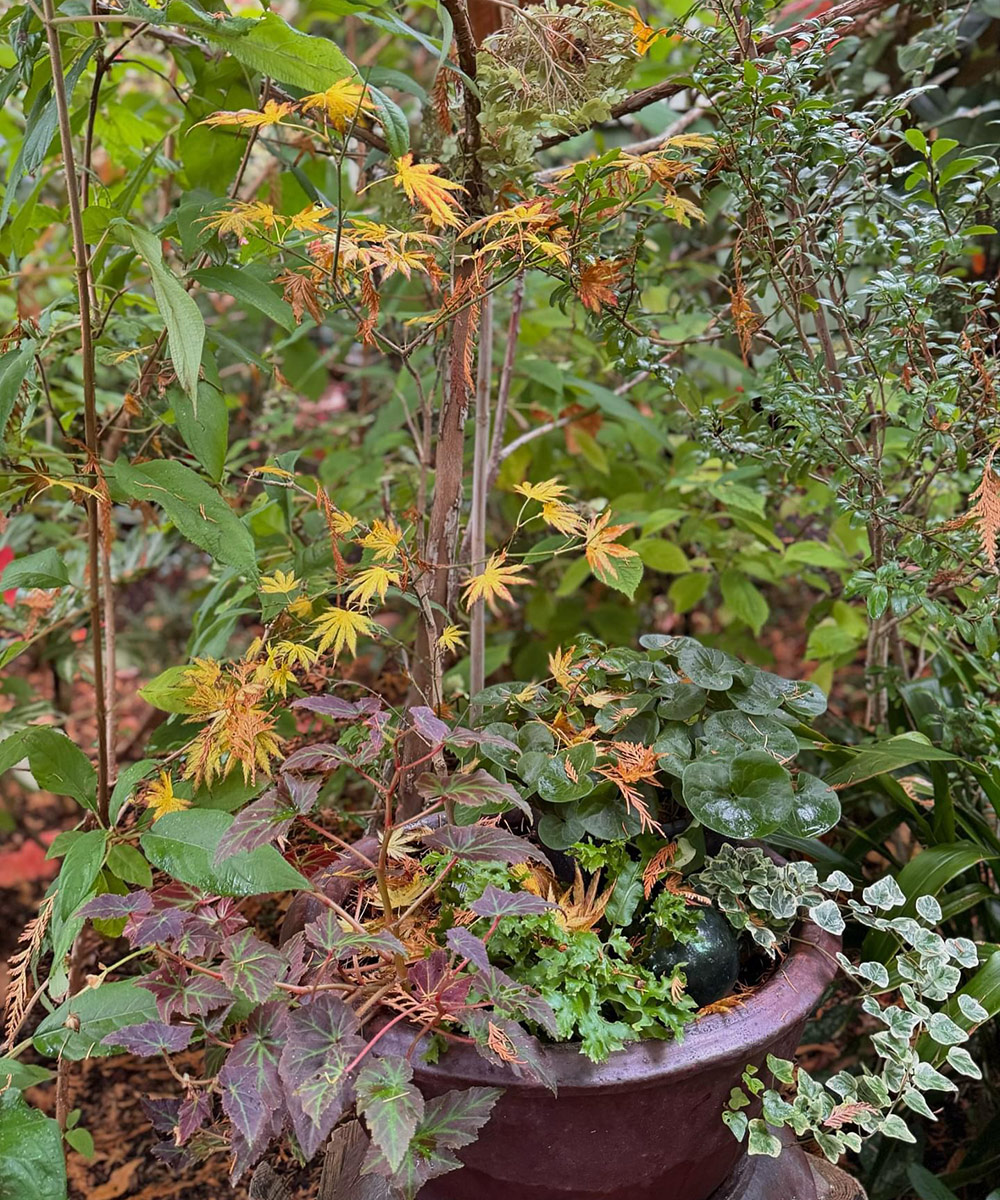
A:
(21, 963)
(984, 511)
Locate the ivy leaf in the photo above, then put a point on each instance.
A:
(391, 1105)
(730, 732)
(449, 1122)
(496, 903)
(474, 790)
(250, 966)
(480, 843)
(711, 669)
(747, 797)
(151, 1037)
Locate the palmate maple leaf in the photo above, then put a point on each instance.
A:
(425, 187)
(595, 286)
(300, 291)
(242, 217)
(451, 638)
(342, 102)
(548, 489)
(493, 581)
(602, 545)
(340, 627)
(160, 798)
(373, 581)
(384, 540)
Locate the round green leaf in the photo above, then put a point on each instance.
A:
(748, 797)
(816, 808)
(731, 732)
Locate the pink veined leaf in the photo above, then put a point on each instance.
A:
(390, 1104)
(110, 907)
(192, 1115)
(260, 823)
(435, 984)
(150, 1037)
(252, 1093)
(429, 725)
(473, 790)
(496, 903)
(468, 946)
(506, 1044)
(322, 1042)
(479, 737)
(481, 843)
(178, 993)
(329, 706)
(250, 967)
(328, 935)
(323, 756)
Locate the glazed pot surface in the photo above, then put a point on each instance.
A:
(646, 1124)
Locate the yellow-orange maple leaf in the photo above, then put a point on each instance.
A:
(595, 286)
(492, 582)
(383, 538)
(160, 797)
(548, 489)
(373, 581)
(602, 545)
(273, 113)
(340, 628)
(342, 102)
(425, 187)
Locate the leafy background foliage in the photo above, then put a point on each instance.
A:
(745, 331)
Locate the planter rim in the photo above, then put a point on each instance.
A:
(786, 999)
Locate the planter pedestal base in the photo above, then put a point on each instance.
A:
(759, 1178)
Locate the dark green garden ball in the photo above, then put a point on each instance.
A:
(711, 957)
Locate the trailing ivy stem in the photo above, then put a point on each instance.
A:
(89, 405)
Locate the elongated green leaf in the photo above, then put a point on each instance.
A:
(22, 1075)
(184, 843)
(76, 1029)
(924, 875)
(887, 756)
(926, 1185)
(32, 1165)
(182, 317)
(618, 407)
(196, 508)
(205, 427)
(14, 366)
(249, 290)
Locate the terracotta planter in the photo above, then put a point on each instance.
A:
(645, 1125)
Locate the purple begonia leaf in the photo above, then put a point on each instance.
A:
(390, 1104)
(479, 737)
(303, 793)
(376, 724)
(294, 951)
(322, 1042)
(179, 993)
(323, 756)
(434, 983)
(506, 1044)
(262, 822)
(468, 946)
(328, 706)
(449, 1122)
(252, 1096)
(162, 1112)
(431, 728)
(496, 903)
(161, 926)
(251, 967)
(512, 999)
(192, 1114)
(110, 907)
(473, 790)
(482, 843)
(150, 1037)
(327, 934)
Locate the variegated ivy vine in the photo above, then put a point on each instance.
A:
(909, 979)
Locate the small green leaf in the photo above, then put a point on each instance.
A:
(14, 368)
(170, 691)
(76, 1029)
(916, 140)
(45, 569)
(744, 599)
